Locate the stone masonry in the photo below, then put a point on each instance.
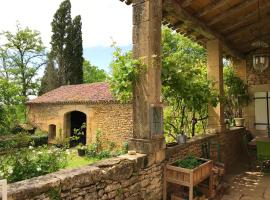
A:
(113, 120)
(128, 177)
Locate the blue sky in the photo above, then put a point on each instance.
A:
(102, 56)
(103, 22)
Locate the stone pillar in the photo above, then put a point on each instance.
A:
(147, 17)
(240, 67)
(215, 73)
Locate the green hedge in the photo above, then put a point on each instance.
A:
(21, 140)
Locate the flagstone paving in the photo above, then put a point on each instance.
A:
(248, 185)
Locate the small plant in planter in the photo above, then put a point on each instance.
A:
(188, 172)
(236, 96)
(81, 149)
(189, 162)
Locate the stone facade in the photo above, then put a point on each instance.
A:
(128, 177)
(255, 77)
(257, 82)
(113, 120)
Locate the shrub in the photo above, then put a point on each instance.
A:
(31, 162)
(9, 143)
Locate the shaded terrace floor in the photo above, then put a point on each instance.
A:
(247, 184)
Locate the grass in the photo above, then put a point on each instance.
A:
(75, 161)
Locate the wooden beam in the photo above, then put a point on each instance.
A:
(246, 18)
(264, 22)
(247, 43)
(232, 11)
(216, 4)
(173, 7)
(186, 3)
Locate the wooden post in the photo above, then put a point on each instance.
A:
(164, 184)
(191, 187)
(215, 73)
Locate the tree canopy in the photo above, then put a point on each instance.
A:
(92, 73)
(66, 42)
(22, 56)
(185, 88)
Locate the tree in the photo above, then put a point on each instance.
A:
(67, 48)
(125, 71)
(61, 40)
(11, 109)
(24, 55)
(49, 80)
(92, 74)
(76, 76)
(185, 87)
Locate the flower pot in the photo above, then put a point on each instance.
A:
(239, 122)
(81, 152)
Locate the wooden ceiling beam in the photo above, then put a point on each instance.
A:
(173, 6)
(248, 43)
(245, 19)
(216, 4)
(256, 25)
(232, 11)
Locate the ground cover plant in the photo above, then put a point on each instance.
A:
(189, 162)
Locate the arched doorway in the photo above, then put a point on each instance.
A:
(74, 121)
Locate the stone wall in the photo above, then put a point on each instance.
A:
(226, 147)
(255, 77)
(113, 120)
(123, 178)
(128, 177)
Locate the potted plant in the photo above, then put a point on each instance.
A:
(236, 96)
(242, 100)
(81, 149)
(189, 172)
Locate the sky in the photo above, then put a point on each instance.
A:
(103, 22)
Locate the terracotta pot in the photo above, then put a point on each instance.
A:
(239, 122)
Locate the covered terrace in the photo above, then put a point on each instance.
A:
(230, 29)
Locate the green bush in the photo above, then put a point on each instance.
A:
(30, 162)
(22, 140)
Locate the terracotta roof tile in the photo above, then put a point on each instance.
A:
(82, 93)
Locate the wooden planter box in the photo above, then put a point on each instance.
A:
(188, 177)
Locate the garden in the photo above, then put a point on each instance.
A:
(24, 156)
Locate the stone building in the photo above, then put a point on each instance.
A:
(61, 110)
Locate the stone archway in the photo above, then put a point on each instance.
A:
(75, 120)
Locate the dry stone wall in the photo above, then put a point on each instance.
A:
(119, 178)
(127, 177)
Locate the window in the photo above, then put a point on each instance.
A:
(262, 100)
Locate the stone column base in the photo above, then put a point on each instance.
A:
(154, 148)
